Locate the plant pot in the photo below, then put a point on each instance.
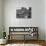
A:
(3, 41)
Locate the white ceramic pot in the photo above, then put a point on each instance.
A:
(3, 41)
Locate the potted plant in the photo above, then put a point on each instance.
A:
(2, 37)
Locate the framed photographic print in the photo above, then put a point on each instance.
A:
(23, 13)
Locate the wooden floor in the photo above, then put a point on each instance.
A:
(40, 42)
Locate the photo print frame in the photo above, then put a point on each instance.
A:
(23, 12)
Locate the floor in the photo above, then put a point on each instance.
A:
(25, 43)
(21, 44)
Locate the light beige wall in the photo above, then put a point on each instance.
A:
(0, 18)
(38, 15)
(0, 13)
(45, 19)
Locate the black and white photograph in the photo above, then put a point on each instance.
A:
(23, 13)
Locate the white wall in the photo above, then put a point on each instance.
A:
(37, 19)
(38, 13)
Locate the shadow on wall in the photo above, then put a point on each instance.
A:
(1, 34)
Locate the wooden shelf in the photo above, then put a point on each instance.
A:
(26, 33)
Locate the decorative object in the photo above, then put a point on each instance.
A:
(3, 41)
(4, 35)
(23, 13)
